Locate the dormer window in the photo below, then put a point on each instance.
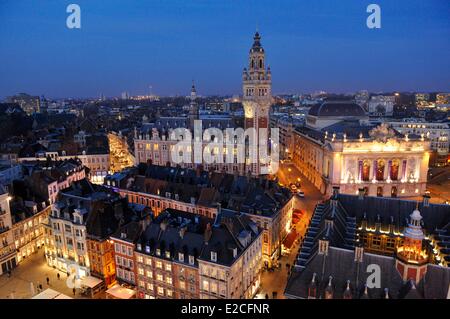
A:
(214, 256)
(167, 254)
(181, 257)
(147, 249)
(191, 260)
(158, 252)
(139, 247)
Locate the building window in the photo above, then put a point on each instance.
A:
(159, 264)
(380, 170)
(161, 291)
(379, 191)
(205, 285)
(168, 267)
(366, 171)
(394, 170)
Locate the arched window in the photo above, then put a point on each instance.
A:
(253, 63)
(394, 191)
(380, 170)
(366, 171)
(394, 170)
(260, 63)
(380, 191)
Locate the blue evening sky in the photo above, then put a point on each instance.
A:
(127, 45)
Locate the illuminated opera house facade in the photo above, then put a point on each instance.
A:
(339, 148)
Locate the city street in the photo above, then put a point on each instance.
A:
(287, 174)
(276, 281)
(34, 270)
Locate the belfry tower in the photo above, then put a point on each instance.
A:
(193, 107)
(257, 98)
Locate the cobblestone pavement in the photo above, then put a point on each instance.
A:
(33, 269)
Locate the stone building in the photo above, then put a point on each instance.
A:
(338, 148)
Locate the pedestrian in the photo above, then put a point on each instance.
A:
(74, 290)
(58, 276)
(48, 281)
(267, 296)
(40, 287)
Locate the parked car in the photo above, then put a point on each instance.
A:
(301, 193)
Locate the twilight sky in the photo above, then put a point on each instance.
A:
(128, 45)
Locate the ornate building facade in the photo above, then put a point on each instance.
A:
(154, 143)
(357, 157)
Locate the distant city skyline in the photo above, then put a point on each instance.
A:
(129, 46)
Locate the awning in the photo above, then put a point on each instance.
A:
(120, 292)
(298, 213)
(290, 239)
(91, 282)
(51, 294)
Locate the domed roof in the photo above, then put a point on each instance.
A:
(337, 108)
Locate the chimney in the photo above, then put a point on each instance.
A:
(208, 233)
(182, 232)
